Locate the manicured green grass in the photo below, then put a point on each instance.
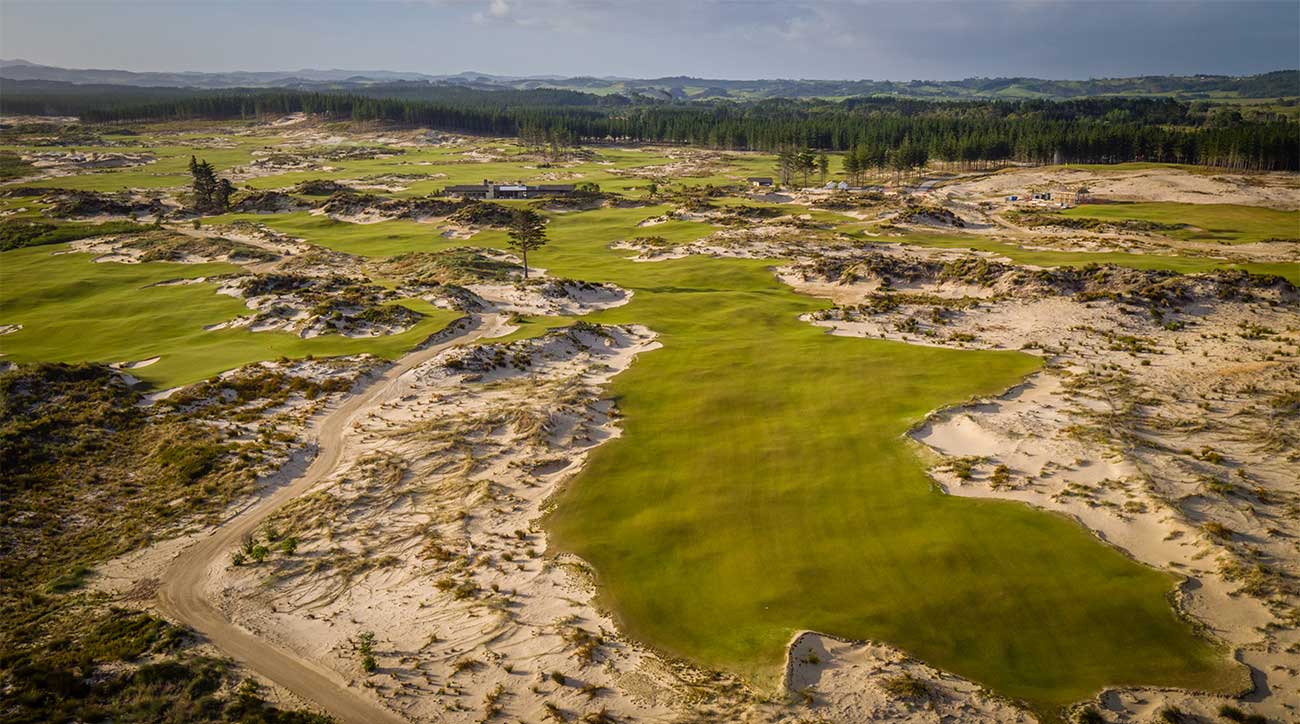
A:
(389, 238)
(530, 327)
(73, 310)
(384, 238)
(1225, 223)
(763, 485)
(1047, 258)
(171, 169)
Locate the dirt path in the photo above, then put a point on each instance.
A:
(183, 593)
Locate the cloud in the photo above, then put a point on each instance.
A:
(497, 11)
(549, 15)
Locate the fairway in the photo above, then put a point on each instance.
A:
(1223, 223)
(763, 485)
(75, 310)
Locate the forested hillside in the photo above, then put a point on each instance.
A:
(1281, 83)
(1094, 130)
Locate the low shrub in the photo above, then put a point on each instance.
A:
(906, 687)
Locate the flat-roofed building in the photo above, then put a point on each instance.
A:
(492, 190)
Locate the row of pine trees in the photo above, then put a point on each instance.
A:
(968, 133)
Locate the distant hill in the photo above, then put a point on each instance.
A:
(23, 70)
(1282, 83)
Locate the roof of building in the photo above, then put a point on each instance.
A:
(768, 179)
(484, 187)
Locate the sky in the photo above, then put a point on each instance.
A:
(831, 39)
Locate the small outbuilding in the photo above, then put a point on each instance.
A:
(469, 191)
(760, 181)
(493, 190)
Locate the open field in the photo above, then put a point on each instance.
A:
(729, 473)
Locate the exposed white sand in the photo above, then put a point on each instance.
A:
(134, 365)
(516, 621)
(844, 681)
(1277, 190)
(1125, 442)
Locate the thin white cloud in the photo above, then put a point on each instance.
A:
(497, 11)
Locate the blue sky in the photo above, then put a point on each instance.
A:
(923, 39)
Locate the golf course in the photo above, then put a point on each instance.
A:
(763, 484)
(744, 362)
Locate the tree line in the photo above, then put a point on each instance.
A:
(971, 133)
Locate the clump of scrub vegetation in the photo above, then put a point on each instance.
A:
(1172, 715)
(484, 213)
(1034, 219)
(13, 166)
(118, 665)
(585, 644)
(366, 648)
(1232, 713)
(270, 387)
(17, 233)
(75, 438)
(72, 203)
(333, 304)
(1089, 715)
(845, 201)
(964, 467)
(930, 215)
(321, 187)
(458, 265)
(163, 245)
(347, 203)
(906, 687)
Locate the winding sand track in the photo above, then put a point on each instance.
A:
(183, 595)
